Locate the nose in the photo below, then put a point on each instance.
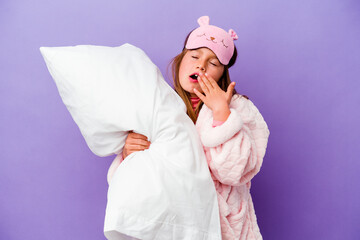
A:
(201, 66)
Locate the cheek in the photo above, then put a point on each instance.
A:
(216, 74)
(182, 68)
(182, 75)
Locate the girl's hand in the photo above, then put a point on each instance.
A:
(215, 98)
(135, 142)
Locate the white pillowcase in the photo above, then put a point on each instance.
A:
(164, 192)
(106, 89)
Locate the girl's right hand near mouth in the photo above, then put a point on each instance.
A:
(135, 142)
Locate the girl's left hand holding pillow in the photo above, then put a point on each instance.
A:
(135, 142)
(215, 98)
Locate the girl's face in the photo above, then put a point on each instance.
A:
(195, 61)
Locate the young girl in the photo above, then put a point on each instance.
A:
(233, 132)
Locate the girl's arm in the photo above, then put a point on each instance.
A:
(236, 148)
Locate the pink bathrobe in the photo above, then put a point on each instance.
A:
(234, 151)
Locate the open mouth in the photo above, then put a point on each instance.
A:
(194, 77)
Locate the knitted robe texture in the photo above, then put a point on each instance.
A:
(234, 151)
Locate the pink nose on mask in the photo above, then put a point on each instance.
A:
(214, 38)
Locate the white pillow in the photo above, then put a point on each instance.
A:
(165, 192)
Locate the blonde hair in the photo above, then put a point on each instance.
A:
(223, 83)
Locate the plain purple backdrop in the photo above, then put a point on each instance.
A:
(298, 62)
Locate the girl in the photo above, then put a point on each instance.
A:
(233, 132)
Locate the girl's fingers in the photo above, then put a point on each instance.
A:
(139, 142)
(138, 136)
(203, 85)
(230, 88)
(206, 81)
(229, 92)
(211, 81)
(136, 147)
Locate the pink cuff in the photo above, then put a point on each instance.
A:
(121, 157)
(114, 165)
(217, 123)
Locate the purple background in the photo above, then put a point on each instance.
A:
(298, 62)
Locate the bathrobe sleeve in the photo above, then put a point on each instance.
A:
(235, 149)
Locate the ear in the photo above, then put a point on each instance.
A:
(233, 34)
(204, 20)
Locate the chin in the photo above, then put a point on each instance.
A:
(189, 91)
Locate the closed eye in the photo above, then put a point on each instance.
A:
(194, 57)
(224, 43)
